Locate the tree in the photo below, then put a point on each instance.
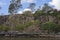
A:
(59, 17)
(57, 29)
(21, 27)
(38, 13)
(14, 6)
(27, 14)
(49, 26)
(3, 27)
(46, 8)
(32, 6)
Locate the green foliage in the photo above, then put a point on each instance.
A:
(1, 28)
(39, 12)
(54, 13)
(32, 6)
(57, 29)
(50, 26)
(14, 6)
(27, 13)
(22, 26)
(28, 24)
(37, 22)
(4, 27)
(59, 17)
(19, 27)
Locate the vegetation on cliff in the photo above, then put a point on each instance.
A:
(45, 20)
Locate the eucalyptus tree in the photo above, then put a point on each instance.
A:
(55, 14)
(46, 8)
(14, 6)
(32, 6)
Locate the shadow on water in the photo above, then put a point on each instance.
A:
(24, 38)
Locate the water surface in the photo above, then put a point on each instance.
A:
(19, 38)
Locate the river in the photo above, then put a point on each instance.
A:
(19, 38)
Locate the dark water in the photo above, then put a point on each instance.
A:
(19, 38)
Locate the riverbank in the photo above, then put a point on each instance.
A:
(30, 35)
(20, 38)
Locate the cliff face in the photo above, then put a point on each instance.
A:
(3, 19)
(27, 22)
(47, 18)
(22, 18)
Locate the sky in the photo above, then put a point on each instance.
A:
(25, 3)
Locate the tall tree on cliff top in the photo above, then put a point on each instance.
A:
(32, 6)
(46, 8)
(14, 6)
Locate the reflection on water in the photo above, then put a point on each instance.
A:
(19, 38)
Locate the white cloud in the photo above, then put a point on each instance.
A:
(20, 12)
(28, 1)
(56, 4)
(27, 9)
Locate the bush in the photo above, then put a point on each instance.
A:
(50, 26)
(4, 27)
